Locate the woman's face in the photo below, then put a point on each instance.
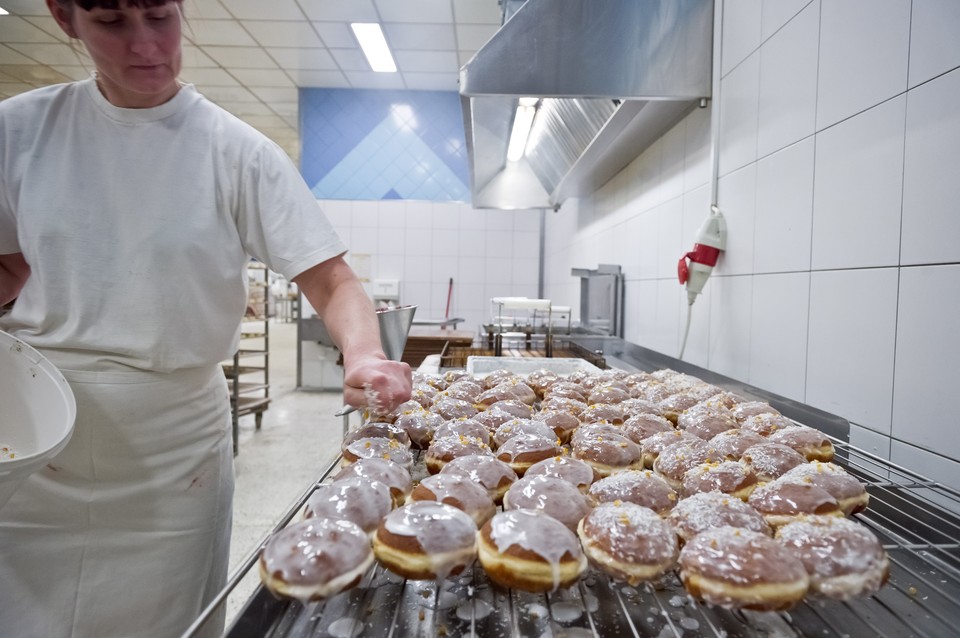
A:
(136, 50)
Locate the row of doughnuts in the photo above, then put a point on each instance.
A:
(624, 470)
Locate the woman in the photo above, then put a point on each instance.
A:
(129, 208)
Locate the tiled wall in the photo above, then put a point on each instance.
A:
(374, 145)
(840, 182)
(488, 253)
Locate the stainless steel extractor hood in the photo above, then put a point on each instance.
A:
(612, 76)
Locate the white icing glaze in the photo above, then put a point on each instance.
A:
(535, 532)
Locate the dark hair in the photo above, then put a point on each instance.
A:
(86, 5)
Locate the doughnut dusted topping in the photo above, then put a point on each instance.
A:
(569, 469)
(377, 429)
(746, 409)
(602, 413)
(458, 491)
(522, 451)
(771, 460)
(515, 426)
(463, 427)
(377, 448)
(608, 451)
(315, 558)
(733, 443)
(843, 557)
(420, 426)
(706, 422)
(810, 442)
(450, 408)
(846, 488)
(563, 424)
(491, 473)
(394, 476)
(740, 557)
(444, 450)
(675, 459)
(640, 427)
(729, 477)
(766, 423)
(641, 487)
(790, 499)
(708, 510)
(551, 495)
(631, 533)
(355, 499)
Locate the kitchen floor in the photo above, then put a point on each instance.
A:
(298, 438)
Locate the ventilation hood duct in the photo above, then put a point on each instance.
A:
(612, 76)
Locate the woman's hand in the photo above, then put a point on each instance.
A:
(376, 383)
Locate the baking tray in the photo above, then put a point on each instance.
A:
(480, 366)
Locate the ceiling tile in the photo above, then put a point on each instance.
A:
(266, 121)
(373, 80)
(421, 11)
(208, 77)
(245, 109)
(308, 59)
(76, 72)
(330, 79)
(283, 34)
(272, 95)
(285, 110)
(259, 77)
(431, 81)
(9, 89)
(241, 57)
(477, 11)
(26, 7)
(218, 32)
(474, 36)
(34, 74)
(49, 25)
(425, 61)
(205, 10)
(350, 59)
(195, 57)
(14, 29)
(9, 56)
(336, 34)
(44, 53)
(342, 10)
(432, 37)
(260, 10)
(229, 94)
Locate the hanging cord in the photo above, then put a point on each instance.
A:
(686, 331)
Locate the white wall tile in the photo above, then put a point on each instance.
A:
(697, 350)
(389, 240)
(646, 245)
(419, 215)
(471, 219)
(776, 14)
(928, 348)
(445, 241)
(416, 267)
(934, 45)
(471, 243)
(391, 214)
(869, 442)
(697, 167)
(364, 214)
(526, 221)
(645, 318)
(472, 270)
(857, 196)
(696, 209)
(931, 189)
(863, 56)
(337, 212)
(498, 274)
(737, 198)
(389, 267)
(526, 272)
(781, 241)
(671, 162)
(741, 32)
(730, 312)
(850, 353)
(931, 466)
(667, 328)
(778, 333)
(739, 104)
(444, 216)
(788, 83)
(671, 244)
(499, 243)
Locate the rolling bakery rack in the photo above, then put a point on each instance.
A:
(914, 517)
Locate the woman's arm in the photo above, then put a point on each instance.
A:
(14, 271)
(334, 291)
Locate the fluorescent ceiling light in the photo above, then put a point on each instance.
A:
(522, 121)
(374, 46)
(4, 12)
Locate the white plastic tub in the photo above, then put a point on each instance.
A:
(480, 366)
(37, 412)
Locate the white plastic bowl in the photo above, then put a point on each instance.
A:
(38, 412)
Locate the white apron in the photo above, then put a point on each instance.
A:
(127, 531)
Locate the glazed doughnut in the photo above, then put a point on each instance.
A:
(746, 409)
(733, 443)
(563, 424)
(673, 405)
(450, 408)
(594, 430)
(518, 409)
(611, 393)
(602, 413)
(394, 476)
(781, 502)
(655, 443)
(452, 376)
(706, 422)
(563, 404)
(514, 389)
(542, 379)
(635, 406)
(315, 559)
(553, 496)
(492, 418)
(377, 448)
(463, 427)
(628, 541)
(850, 493)
(770, 461)
(737, 568)
(491, 473)
(608, 453)
(495, 378)
(724, 399)
(843, 558)
(419, 426)
(640, 427)
(765, 424)
(460, 492)
(377, 430)
(675, 459)
(640, 487)
(811, 443)
(530, 551)
(523, 450)
(529, 427)
(353, 498)
(444, 450)
(464, 389)
(572, 470)
(728, 477)
(426, 540)
(566, 390)
(708, 510)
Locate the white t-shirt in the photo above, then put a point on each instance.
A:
(137, 225)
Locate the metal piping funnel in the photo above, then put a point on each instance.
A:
(394, 327)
